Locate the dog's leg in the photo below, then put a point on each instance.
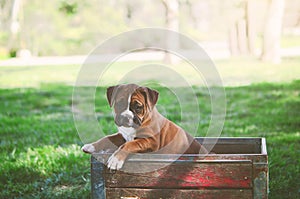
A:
(142, 145)
(108, 143)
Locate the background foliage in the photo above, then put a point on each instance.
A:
(67, 27)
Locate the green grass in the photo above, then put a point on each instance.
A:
(40, 149)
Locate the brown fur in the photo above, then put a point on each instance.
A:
(156, 134)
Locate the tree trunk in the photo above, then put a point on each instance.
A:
(272, 32)
(14, 27)
(242, 36)
(233, 43)
(172, 23)
(251, 25)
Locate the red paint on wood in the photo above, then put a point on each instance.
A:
(196, 176)
(112, 193)
(187, 175)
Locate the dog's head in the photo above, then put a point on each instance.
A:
(132, 103)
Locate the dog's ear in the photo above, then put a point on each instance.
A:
(151, 96)
(109, 95)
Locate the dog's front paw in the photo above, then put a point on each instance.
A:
(88, 148)
(116, 160)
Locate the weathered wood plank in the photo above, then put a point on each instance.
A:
(97, 179)
(232, 149)
(113, 193)
(230, 140)
(185, 175)
(190, 176)
(195, 157)
(232, 145)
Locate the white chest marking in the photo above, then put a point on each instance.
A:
(128, 133)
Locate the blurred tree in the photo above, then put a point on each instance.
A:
(14, 25)
(5, 10)
(172, 23)
(238, 32)
(66, 27)
(172, 9)
(243, 33)
(251, 25)
(272, 31)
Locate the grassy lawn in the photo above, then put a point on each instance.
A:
(40, 148)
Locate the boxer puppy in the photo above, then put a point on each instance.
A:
(141, 128)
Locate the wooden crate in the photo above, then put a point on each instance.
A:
(239, 169)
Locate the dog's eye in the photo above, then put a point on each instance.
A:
(137, 107)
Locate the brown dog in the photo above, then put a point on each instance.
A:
(141, 128)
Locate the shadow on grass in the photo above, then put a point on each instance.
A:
(19, 174)
(46, 172)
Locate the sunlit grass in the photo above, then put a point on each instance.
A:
(233, 72)
(290, 41)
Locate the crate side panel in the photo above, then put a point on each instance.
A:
(185, 175)
(112, 193)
